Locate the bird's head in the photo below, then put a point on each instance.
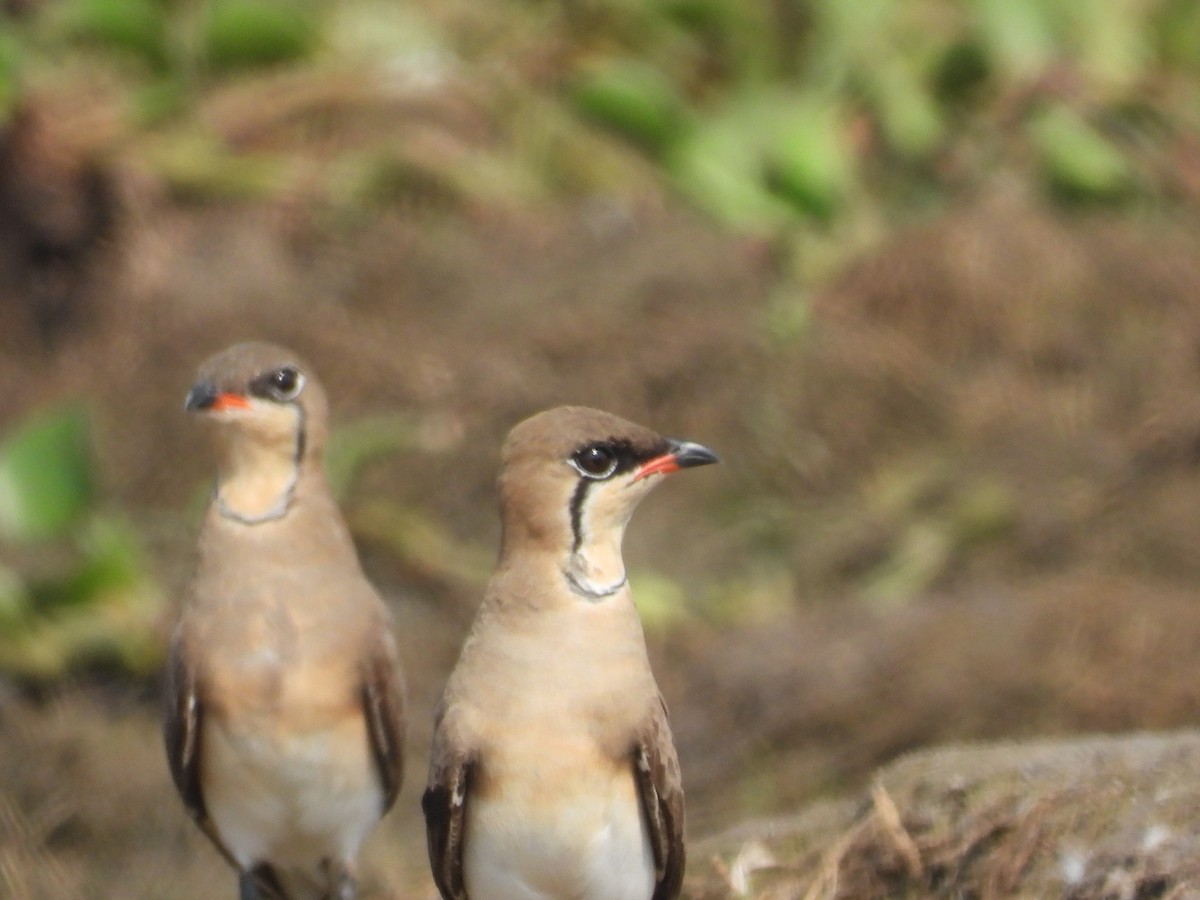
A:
(571, 478)
(269, 414)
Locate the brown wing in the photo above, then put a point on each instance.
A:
(181, 729)
(445, 805)
(182, 723)
(656, 770)
(383, 706)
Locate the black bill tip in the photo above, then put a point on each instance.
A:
(689, 455)
(202, 396)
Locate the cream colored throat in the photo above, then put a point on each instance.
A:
(257, 485)
(596, 572)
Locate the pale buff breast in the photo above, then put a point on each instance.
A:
(287, 767)
(293, 797)
(579, 667)
(570, 827)
(555, 702)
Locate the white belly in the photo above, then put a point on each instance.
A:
(582, 844)
(293, 800)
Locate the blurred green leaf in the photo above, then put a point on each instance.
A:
(741, 41)
(1111, 40)
(713, 15)
(45, 476)
(160, 100)
(722, 166)
(921, 554)
(426, 550)
(759, 594)
(136, 27)
(104, 612)
(90, 601)
(960, 72)
(984, 510)
(354, 445)
(767, 157)
(1079, 161)
(10, 72)
(788, 315)
(633, 98)
(242, 34)
(14, 601)
(808, 160)
(1177, 30)
(1019, 34)
(112, 562)
(912, 123)
(661, 602)
(200, 167)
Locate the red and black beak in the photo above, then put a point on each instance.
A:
(204, 397)
(679, 455)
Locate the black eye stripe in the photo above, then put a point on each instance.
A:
(281, 385)
(599, 460)
(625, 456)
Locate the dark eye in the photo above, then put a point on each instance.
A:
(285, 383)
(595, 461)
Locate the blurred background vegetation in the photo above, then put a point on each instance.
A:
(922, 270)
(819, 127)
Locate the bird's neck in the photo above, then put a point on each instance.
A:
(595, 570)
(257, 481)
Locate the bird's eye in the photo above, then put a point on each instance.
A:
(595, 461)
(285, 383)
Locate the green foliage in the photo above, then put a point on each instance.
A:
(355, 445)
(102, 613)
(426, 550)
(135, 27)
(159, 101)
(1176, 34)
(767, 157)
(45, 476)
(198, 167)
(1017, 35)
(721, 168)
(242, 34)
(10, 72)
(661, 602)
(933, 523)
(807, 158)
(831, 119)
(843, 113)
(1079, 161)
(78, 592)
(634, 99)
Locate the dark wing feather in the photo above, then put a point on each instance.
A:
(445, 805)
(261, 883)
(656, 770)
(383, 706)
(181, 729)
(182, 723)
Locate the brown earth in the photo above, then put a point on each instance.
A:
(958, 500)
